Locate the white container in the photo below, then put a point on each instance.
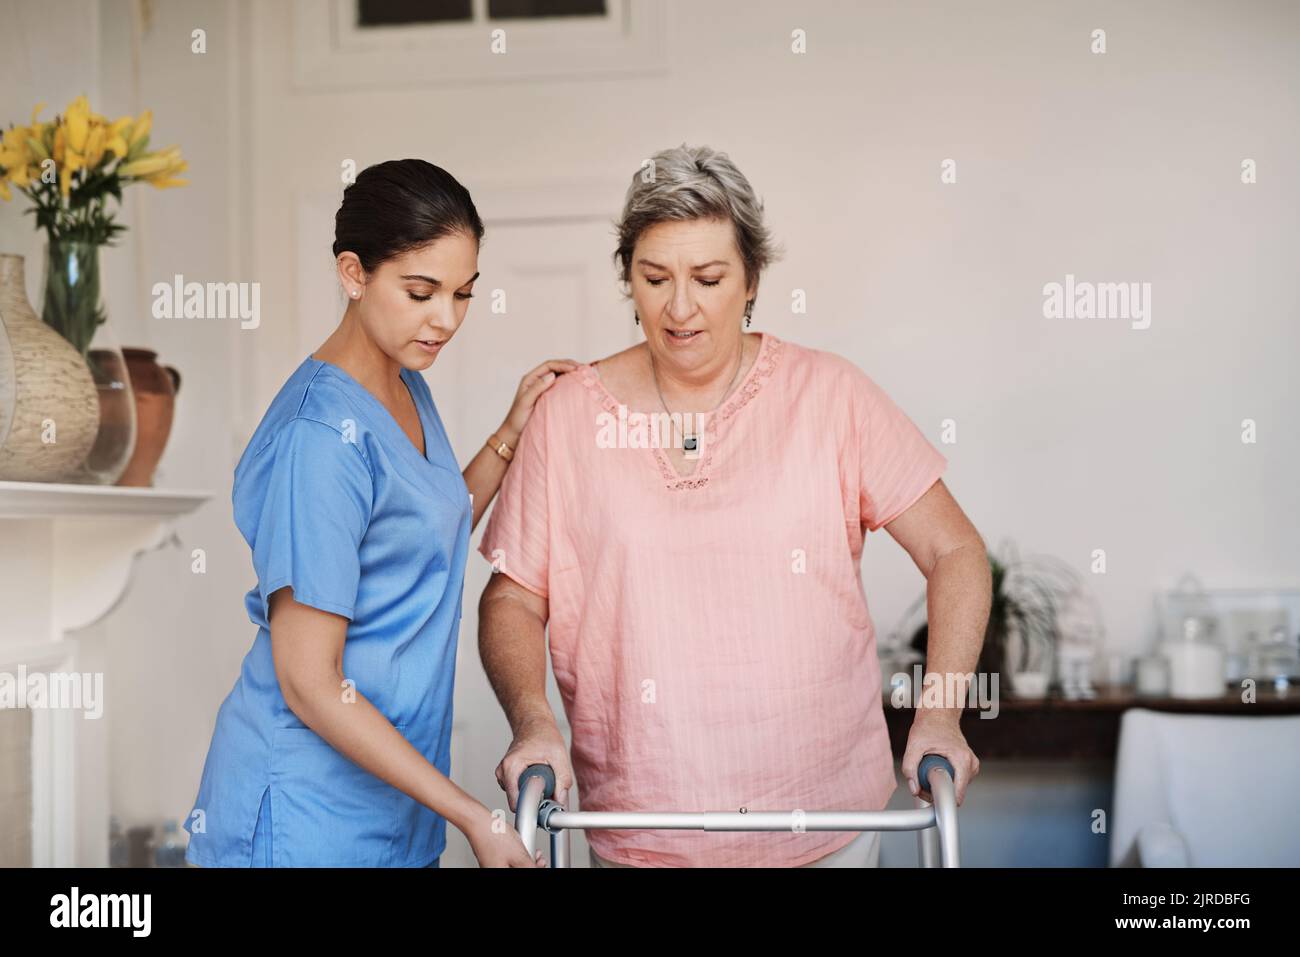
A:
(1029, 684)
(1153, 676)
(1196, 663)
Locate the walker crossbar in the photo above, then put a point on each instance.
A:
(936, 823)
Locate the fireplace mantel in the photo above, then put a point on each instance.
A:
(66, 557)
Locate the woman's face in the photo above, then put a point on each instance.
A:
(688, 284)
(413, 304)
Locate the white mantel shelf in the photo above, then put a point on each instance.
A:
(94, 533)
(67, 553)
(50, 500)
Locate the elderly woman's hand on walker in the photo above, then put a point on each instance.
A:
(512, 641)
(951, 555)
(936, 731)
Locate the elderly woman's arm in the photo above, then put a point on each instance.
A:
(512, 643)
(951, 555)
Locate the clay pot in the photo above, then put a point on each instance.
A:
(155, 388)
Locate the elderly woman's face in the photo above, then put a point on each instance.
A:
(688, 284)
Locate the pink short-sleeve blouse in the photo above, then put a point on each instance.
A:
(710, 634)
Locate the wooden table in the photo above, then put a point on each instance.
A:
(1055, 728)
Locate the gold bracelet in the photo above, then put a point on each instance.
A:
(498, 445)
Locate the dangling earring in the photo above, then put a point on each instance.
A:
(636, 317)
(749, 311)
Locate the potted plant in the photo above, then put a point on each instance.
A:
(1024, 628)
(71, 167)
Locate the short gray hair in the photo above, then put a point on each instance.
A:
(694, 182)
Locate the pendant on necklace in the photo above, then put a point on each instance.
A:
(689, 443)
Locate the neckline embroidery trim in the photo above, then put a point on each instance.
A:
(765, 364)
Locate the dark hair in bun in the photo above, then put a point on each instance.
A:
(394, 207)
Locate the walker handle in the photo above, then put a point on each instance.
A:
(928, 764)
(545, 773)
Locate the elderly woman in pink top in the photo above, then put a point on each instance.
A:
(709, 632)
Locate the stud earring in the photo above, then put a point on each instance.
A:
(356, 293)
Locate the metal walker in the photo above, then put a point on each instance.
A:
(936, 823)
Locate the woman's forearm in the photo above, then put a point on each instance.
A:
(359, 731)
(512, 646)
(958, 598)
(485, 471)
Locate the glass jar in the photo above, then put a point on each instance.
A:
(1196, 661)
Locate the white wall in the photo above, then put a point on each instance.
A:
(178, 636)
(39, 63)
(1072, 436)
(174, 630)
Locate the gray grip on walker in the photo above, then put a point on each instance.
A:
(545, 773)
(928, 764)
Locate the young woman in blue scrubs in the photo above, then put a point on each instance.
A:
(333, 748)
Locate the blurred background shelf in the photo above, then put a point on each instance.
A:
(1055, 728)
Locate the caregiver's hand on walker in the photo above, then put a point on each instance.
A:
(307, 647)
(496, 843)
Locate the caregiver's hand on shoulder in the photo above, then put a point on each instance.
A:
(531, 386)
(538, 741)
(936, 731)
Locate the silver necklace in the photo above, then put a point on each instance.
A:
(690, 441)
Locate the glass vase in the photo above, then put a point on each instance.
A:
(74, 307)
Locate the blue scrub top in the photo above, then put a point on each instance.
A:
(335, 500)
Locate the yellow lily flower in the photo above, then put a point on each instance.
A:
(151, 164)
(77, 120)
(81, 140)
(37, 148)
(12, 140)
(144, 166)
(116, 142)
(95, 146)
(73, 160)
(141, 128)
